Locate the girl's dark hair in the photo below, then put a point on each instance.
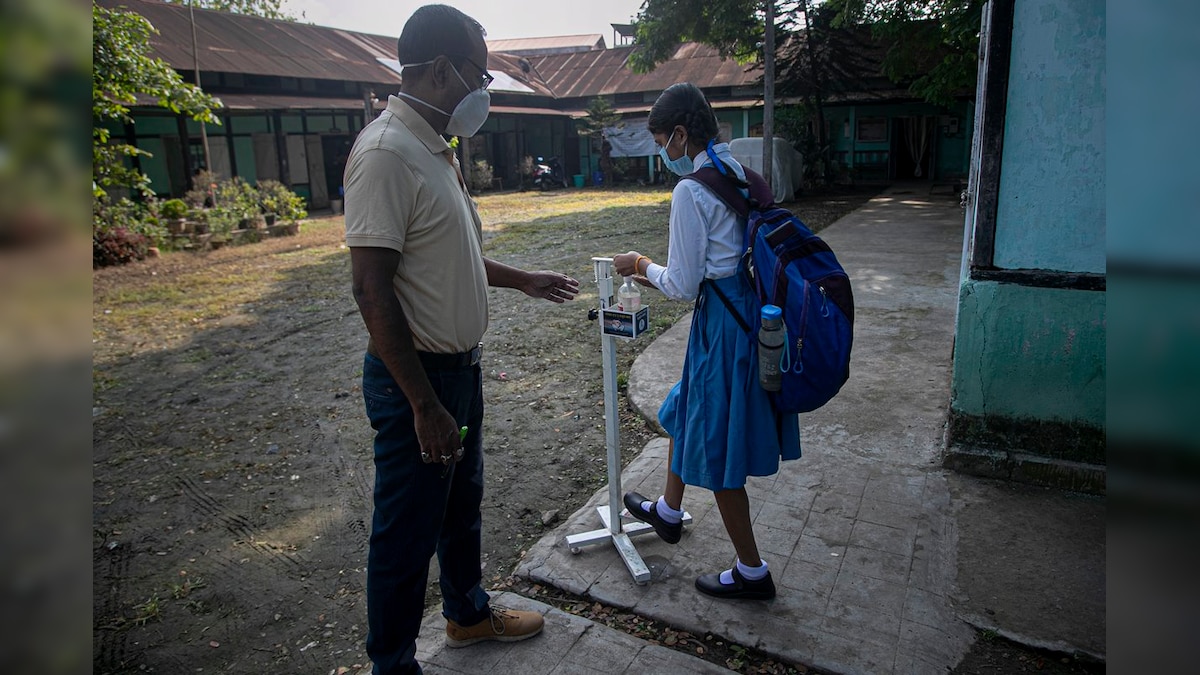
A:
(684, 104)
(434, 29)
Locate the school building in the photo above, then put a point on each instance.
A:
(295, 95)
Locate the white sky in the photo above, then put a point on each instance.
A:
(503, 19)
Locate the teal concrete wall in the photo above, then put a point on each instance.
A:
(1030, 367)
(1028, 353)
(1051, 212)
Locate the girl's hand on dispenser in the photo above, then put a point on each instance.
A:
(625, 264)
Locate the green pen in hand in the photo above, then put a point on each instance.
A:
(462, 436)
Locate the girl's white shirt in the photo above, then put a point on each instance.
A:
(705, 238)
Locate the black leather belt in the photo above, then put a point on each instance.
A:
(434, 361)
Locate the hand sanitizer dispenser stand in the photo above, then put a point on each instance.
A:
(618, 526)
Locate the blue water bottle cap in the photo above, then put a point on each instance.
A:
(771, 312)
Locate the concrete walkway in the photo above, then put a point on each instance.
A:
(861, 533)
(568, 645)
(858, 532)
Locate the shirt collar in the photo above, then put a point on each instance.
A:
(417, 125)
(722, 151)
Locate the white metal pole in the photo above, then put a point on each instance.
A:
(612, 429)
(613, 530)
(612, 432)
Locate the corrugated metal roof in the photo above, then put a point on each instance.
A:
(236, 43)
(547, 45)
(518, 68)
(605, 73)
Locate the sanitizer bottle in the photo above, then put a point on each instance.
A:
(629, 298)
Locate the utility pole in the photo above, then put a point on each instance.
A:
(769, 94)
(196, 76)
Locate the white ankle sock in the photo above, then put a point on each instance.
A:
(747, 572)
(665, 512)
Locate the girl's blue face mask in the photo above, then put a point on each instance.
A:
(680, 167)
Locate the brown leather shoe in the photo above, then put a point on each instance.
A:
(504, 625)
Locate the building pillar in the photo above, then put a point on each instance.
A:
(185, 148)
(281, 157)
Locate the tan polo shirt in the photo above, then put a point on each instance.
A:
(403, 193)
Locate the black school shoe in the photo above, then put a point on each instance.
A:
(741, 588)
(666, 531)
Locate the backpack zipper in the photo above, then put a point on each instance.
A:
(798, 362)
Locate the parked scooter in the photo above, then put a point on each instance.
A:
(549, 174)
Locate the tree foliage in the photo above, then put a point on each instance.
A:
(600, 116)
(733, 27)
(122, 70)
(929, 45)
(269, 9)
(820, 59)
(933, 45)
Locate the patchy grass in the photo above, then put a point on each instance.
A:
(502, 211)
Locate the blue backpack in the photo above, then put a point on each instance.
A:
(792, 268)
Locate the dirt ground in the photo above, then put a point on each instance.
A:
(232, 470)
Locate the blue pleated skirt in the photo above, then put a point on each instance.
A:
(721, 420)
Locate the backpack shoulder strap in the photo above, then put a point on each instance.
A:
(729, 305)
(728, 191)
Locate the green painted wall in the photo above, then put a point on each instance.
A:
(155, 166)
(319, 123)
(1028, 353)
(1030, 367)
(155, 125)
(251, 124)
(952, 142)
(243, 152)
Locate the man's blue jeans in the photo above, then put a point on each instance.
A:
(419, 511)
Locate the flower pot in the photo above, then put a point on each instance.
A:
(285, 229)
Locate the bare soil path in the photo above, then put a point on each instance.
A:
(232, 469)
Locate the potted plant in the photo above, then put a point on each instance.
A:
(197, 221)
(240, 199)
(268, 200)
(286, 207)
(270, 209)
(174, 211)
(292, 212)
(222, 219)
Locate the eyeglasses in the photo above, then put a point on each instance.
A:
(485, 78)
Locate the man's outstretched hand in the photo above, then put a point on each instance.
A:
(550, 286)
